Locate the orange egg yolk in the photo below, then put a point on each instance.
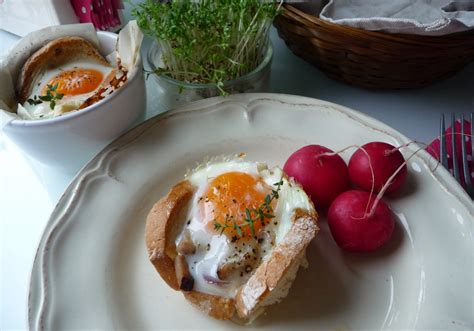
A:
(228, 197)
(75, 82)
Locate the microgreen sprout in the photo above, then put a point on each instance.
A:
(208, 41)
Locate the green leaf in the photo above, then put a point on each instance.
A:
(238, 229)
(247, 213)
(268, 199)
(34, 101)
(252, 230)
(45, 98)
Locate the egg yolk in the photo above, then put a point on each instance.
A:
(77, 81)
(229, 198)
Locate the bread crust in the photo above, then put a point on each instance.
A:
(162, 251)
(218, 307)
(272, 270)
(53, 54)
(159, 223)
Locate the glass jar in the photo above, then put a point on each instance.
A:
(171, 92)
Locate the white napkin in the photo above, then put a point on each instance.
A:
(421, 17)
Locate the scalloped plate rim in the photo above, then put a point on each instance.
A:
(73, 190)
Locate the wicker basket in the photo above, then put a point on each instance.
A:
(371, 59)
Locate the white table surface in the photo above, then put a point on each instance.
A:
(29, 191)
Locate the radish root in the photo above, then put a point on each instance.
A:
(389, 181)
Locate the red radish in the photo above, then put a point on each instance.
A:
(355, 226)
(322, 176)
(374, 163)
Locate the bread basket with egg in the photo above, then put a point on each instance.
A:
(71, 68)
(66, 91)
(231, 237)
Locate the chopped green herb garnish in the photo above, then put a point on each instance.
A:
(264, 211)
(51, 96)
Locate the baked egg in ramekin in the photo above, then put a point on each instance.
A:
(76, 101)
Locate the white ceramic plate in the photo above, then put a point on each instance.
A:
(91, 269)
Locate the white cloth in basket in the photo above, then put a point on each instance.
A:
(422, 17)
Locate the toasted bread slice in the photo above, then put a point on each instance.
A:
(273, 278)
(51, 55)
(161, 220)
(269, 283)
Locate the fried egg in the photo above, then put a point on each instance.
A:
(240, 210)
(77, 81)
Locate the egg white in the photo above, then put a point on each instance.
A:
(207, 258)
(67, 103)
